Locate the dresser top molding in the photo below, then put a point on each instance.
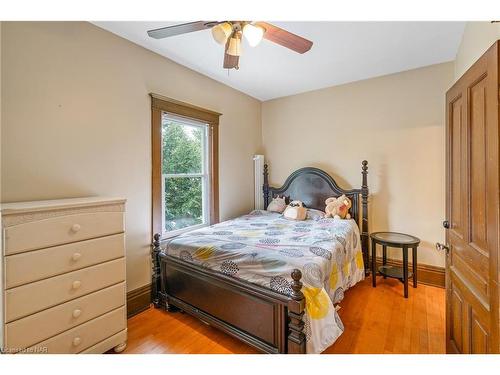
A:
(57, 204)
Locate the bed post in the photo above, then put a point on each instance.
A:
(155, 274)
(265, 187)
(364, 223)
(159, 296)
(296, 308)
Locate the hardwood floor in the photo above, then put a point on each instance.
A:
(377, 320)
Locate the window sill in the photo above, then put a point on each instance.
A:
(178, 232)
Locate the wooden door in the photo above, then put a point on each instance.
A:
(472, 208)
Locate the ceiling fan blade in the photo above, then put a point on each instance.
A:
(165, 32)
(231, 61)
(285, 38)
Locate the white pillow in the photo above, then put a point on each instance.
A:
(277, 205)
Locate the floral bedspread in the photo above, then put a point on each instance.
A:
(263, 248)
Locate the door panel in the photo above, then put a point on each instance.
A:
(456, 192)
(472, 206)
(477, 175)
(474, 280)
(479, 336)
(457, 315)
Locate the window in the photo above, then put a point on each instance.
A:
(185, 173)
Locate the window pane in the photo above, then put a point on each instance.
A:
(183, 202)
(182, 147)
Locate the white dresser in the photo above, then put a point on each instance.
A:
(62, 276)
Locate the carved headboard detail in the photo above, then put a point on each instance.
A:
(313, 186)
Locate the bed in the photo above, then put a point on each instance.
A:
(269, 281)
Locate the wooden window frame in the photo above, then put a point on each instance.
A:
(161, 104)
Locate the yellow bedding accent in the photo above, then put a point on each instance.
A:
(250, 233)
(346, 268)
(204, 252)
(334, 276)
(359, 260)
(317, 302)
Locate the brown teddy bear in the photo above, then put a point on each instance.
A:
(338, 208)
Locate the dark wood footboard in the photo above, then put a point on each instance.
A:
(264, 319)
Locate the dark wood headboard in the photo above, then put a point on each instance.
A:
(313, 186)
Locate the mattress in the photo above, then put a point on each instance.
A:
(263, 248)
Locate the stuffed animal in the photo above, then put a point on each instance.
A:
(338, 208)
(277, 204)
(295, 211)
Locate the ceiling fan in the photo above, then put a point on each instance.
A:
(230, 33)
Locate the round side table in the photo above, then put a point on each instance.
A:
(398, 240)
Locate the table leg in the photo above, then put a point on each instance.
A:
(374, 264)
(414, 255)
(384, 257)
(405, 270)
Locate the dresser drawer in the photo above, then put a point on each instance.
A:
(86, 335)
(61, 230)
(34, 328)
(40, 264)
(31, 298)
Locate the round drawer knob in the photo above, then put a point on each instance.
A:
(76, 227)
(76, 284)
(77, 341)
(77, 313)
(76, 256)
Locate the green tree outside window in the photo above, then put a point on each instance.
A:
(182, 153)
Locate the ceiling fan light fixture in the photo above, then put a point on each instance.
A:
(230, 34)
(221, 32)
(234, 48)
(253, 34)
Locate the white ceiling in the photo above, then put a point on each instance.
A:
(342, 52)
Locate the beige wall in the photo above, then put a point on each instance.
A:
(395, 122)
(76, 122)
(477, 38)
